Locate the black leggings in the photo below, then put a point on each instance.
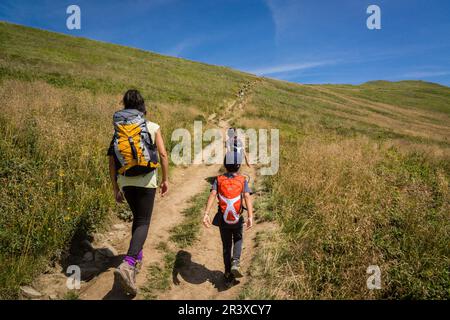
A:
(141, 202)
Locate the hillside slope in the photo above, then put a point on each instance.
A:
(363, 177)
(363, 180)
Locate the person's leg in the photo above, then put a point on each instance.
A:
(237, 249)
(142, 200)
(237, 243)
(130, 195)
(226, 236)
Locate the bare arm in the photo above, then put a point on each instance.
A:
(113, 175)
(164, 159)
(248, 201)
(246, 158)
(209, 204)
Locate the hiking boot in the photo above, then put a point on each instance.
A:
(235, 269)
(126, 275)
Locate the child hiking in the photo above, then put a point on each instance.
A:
(232, 191)
(133, 161)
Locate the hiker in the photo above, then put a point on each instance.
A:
(133, 162)
(234, 144)
(231, 190)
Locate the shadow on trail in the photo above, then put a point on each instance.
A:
(196, 273)
(97, 261)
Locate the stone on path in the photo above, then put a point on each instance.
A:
(119, 226)
(30, 292)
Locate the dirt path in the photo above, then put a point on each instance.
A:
(201, 276)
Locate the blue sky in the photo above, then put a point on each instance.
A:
(304, 41)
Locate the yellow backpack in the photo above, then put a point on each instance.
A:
(133, 145)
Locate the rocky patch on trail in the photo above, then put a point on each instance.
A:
(93, 256)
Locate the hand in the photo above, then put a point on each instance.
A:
(118, 195)
(164, 188)
(249, 222)
(206, 221)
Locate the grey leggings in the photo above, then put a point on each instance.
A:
(141, 202)
(231, 237)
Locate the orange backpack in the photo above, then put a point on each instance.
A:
(230, 190)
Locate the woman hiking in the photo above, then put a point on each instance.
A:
(133, 161)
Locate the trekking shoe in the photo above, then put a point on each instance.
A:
(235, 269)
(126, 275)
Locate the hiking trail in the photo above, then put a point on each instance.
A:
(200, 276)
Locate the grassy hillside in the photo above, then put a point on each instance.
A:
(363, 179)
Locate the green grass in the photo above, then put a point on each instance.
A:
(186, 233)
(159, 274)
(409, 94)
(71, 295)
(79, 63)
(265, 273)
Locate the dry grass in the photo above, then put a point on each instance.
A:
(348, 195)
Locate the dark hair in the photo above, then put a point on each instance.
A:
(232, 161)
(133, 100)
(231, 132)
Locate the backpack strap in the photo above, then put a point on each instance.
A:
(241, 179)
(219, 179)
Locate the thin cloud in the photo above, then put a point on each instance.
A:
(425, 74)
(285, 68)
(285, 13)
